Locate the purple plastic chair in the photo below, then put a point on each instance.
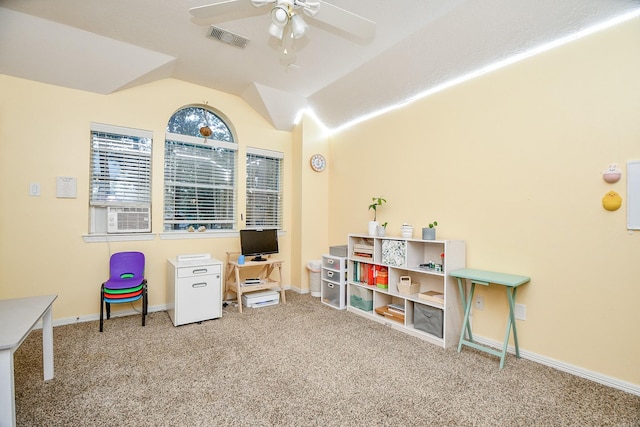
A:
(126, 283)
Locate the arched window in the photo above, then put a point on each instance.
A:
(199, 171)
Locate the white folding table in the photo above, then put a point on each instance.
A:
(17, 318)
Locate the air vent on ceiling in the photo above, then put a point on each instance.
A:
(228, 37)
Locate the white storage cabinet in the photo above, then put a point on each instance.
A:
(194, 290)
(438, 323)
(333, 288)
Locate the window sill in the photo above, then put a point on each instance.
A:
(130, 237)
(176, 235)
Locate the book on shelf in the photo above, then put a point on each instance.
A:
(362, 254)
(396, 308)
(432, 296)
(366, 247)
(363, 250)
(364, 273)
(388, 314)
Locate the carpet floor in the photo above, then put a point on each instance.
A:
(296, 364)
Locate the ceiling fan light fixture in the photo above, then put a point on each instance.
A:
(276, 31)
(280, 15)
(298, 26)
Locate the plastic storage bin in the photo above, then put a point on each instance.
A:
(333, 294)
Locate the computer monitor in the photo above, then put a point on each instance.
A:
(255, 243)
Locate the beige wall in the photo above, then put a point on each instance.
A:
(511, 163)
(310, 192)
(44, 133)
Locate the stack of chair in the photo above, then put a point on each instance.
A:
(126, 283)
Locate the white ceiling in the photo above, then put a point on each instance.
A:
(104, 46)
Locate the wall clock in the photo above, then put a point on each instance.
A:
(318, 162)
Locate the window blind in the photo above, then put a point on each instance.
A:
(120, 166)
(199, 186)
(264, 188)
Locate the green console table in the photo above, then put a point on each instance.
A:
(511, 282)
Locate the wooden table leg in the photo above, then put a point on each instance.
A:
(282, 294)
(238, 290)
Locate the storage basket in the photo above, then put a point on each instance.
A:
(428, 319)
(361, 298)
(405, 287)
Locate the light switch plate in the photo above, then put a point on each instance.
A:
(34, 189)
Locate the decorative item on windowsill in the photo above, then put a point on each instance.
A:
(382, 229)
(373, 225)
(612, 174)
(429, 233)
(406, 231)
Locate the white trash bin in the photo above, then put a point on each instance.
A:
(315, 270)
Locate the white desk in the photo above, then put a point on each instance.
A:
(17, 318)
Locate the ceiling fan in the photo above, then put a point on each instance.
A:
(286, 18)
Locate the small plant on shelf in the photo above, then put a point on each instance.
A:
(429, 232)
(377, 202)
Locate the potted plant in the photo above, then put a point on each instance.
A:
(382, 229)
(429, 233)
(376, 203)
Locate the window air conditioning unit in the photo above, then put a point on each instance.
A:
(128, 220)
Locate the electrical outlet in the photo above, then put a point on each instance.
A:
(479, 303)
(520, 312)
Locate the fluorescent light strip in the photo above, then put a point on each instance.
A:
(477, 73)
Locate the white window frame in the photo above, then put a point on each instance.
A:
(192, 225)
(130, 175)
(264, 194)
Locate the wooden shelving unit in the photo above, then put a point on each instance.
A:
(368, 255)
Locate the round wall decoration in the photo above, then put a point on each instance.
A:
(611, 201)
(318, 162)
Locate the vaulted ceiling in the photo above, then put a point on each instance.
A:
(418, 45)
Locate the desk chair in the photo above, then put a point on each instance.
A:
(126, 283)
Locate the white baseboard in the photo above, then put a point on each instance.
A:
(116, 313)
(565, 367)
(121, 313)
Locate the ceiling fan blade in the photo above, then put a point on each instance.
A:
(215, 9)
(310, 7)
(344, 20)
(260, 3)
